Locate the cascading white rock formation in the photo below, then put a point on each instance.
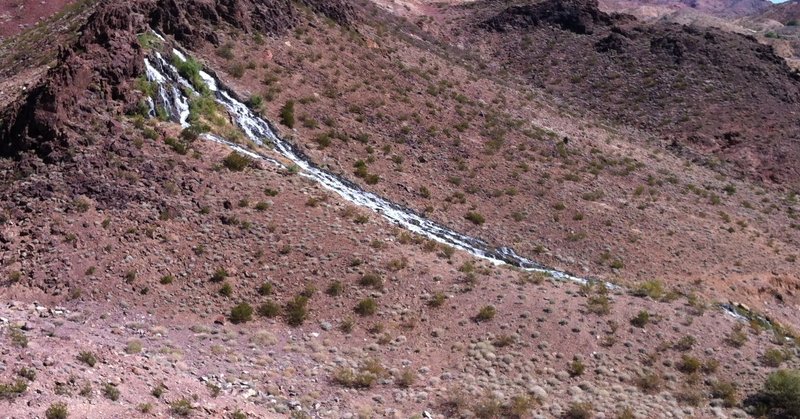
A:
(260, 132)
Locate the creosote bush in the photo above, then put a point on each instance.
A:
(269, 310)
(641, 319)
(181, 407)
(475, 218)
(11, 390)
(366, 307)
(296, 310)
(241, 313)
(781, 393)
(287, 114)
(57, 410)
(236, 162)
(87, 358)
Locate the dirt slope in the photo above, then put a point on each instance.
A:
(126, 242)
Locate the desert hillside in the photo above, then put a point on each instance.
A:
(315, 208)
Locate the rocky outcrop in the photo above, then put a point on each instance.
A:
(94, 75)
(717, 96)
(98, 67)
(578, 16)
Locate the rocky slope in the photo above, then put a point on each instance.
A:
(129, 247)
(683, 82)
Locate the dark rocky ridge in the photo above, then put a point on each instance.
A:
(709, 94)
(572, 15)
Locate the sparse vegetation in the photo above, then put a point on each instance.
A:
(475, 217)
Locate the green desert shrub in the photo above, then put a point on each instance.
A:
(287, 114)
(781, 393)
(641, 319)
(366, 307)
(486, 313)
(57, 410)
(241, 313)
(269, 309)
(296, 310)
(236, 162)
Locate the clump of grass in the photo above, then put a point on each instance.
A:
(649, 382)
(437, 300)
(688, 364)
(599, 304)
(781, 393)
(685, 343)
(18, 337)
(296, 310)
(371, 280)
(87, 358)
(236, 162)
(653, 289)
(726, 391)
(57, 410)
(365, 377)
(190, 70)
(486, 313)
(219, 275)
(576, 367)
(774, 357)
(641, 319)
(579, 411)
(27, 373)
(241, 313)
(181, 407)
(111, 392)
(12, 390)
(265, 289)
(366, 307)
(737, 337)
(406, 379)
(287, 114)
(269, 309)
(158, 390)
(335, 289)
(133, 347)
(475, 218)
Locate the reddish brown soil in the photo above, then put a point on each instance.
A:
(110, 239)
(19, 15)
